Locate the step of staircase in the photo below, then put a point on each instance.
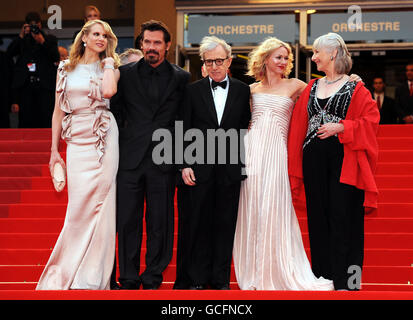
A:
(371, 274)
(47, 240)
(44, 225)
(373, 257)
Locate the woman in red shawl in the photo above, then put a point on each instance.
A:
(332, 153)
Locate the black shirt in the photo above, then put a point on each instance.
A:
(163, 74)
(323, 102)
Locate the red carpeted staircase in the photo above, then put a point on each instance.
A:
(32, 213)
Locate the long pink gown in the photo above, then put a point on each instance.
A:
(84, 252)
(268, 249)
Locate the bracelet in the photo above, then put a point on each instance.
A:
(108, 66)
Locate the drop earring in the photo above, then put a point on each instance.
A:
(331, 58)
(84, 44)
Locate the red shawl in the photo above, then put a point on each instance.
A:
(359, 141)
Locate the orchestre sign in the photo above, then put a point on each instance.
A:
(373, 26)
(241, 29)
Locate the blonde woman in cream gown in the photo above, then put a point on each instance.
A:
(84, 252)
(268, 249)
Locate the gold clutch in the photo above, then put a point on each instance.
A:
(59, 177)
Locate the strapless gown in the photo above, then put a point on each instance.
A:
(83, 255)
(268, 248)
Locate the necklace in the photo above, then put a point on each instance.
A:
(87, 62)
(334, 81)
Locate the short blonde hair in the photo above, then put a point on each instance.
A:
(125, 55)
(210, 43)
(257, 58)
(333, 41)
(77, 50)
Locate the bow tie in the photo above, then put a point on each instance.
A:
(222, 84)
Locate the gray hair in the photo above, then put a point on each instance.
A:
(128, 52)
(210, 43)
(333, 41)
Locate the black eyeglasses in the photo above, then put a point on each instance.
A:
(218, 62)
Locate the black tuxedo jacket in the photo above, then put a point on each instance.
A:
(44, 55)
(199, 113)
(138, 118)
(388, 111)
(404, 102)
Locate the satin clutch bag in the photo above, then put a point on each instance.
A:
(59, 177)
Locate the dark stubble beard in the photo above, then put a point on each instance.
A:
(152, 59)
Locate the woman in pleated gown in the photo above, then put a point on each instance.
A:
(268, 249)
(83, 255)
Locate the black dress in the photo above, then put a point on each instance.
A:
(335, 210)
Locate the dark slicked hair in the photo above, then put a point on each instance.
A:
(33, 16)
(154, 25)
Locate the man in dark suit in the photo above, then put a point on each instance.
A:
(214, 106)
(386, 105)
(34, 78)
(404, 96)
(150, 93)
(6, 68)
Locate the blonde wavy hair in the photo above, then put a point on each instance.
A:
(257, 58)
(77, 50)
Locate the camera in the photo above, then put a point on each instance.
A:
(34, 28)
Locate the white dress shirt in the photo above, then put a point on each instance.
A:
(220, 98)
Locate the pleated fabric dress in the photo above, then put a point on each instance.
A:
(268, 248)
(83, 255)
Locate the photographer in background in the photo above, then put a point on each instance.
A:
(34, 76)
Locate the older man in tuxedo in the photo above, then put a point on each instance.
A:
(210, 202)
(150, 93)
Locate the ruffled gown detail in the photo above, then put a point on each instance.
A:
(268, 249)
(83, 255)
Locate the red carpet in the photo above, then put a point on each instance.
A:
(231, 295)
(32, 215)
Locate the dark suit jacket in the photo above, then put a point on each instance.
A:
(199, 112)
(137, 117)
(6, 68)
(404, 102)
(388, 111)
(44, 55)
